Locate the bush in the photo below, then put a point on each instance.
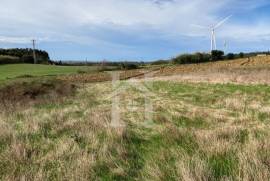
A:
(230, 56)
(241, 55)
(217, 55)
(202, 57)
(192, 58)
(9, 60)
(27, 59)
(183, 59)
(129, 66)
(160, 62)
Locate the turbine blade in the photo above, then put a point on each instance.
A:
(222, 22)
(199, 26)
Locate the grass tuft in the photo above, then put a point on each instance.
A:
(223, 165)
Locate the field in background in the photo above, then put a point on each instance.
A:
(255, 70)
(23, 70)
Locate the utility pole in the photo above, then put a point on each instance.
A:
(34, 51)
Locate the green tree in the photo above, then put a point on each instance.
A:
(230, 56)
(241, 55)
(217, 55)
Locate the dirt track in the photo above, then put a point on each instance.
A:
(254, 70)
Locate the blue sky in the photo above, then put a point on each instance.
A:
(132, 29)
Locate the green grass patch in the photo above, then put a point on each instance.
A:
(264, 117)
(223, 165)
(5, 141)
(140, 146)
(242, 136)
(186, 122)
(30, 70)
(209, 94)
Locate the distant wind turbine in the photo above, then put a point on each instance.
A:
(213, 31)
(225, 46)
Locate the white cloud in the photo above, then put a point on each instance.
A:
(52, 20)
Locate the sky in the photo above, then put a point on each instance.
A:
(142, 30)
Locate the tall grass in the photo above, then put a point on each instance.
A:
(200, 132)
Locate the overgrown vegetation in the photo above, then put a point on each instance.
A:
(21, 94)
(199, 132)
(192, 58)
(129, 66)
(160, 62)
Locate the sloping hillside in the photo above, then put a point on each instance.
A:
(254, 62)
(254, 70)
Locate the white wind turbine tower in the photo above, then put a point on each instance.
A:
(225, 46)
(213, 31)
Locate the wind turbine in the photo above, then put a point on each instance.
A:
(225, 46)
(213, 31)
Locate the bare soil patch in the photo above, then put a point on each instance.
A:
(105, 76)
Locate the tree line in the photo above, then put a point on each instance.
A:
(23, 55)
(216, 55)
(202, 57)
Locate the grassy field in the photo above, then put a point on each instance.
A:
(198, 132)
(21, 70)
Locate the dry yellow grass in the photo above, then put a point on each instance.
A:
(253, 70)
(199, 132)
